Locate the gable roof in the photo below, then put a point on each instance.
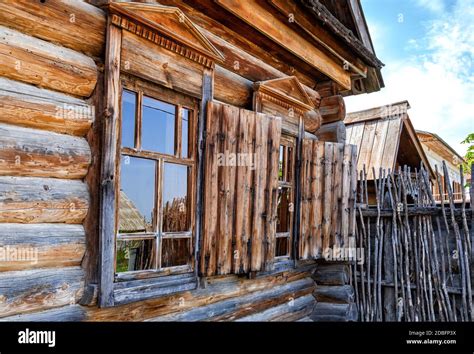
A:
(437, 144)
(170, 22)
(378, 132)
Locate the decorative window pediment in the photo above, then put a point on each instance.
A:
(168, 27)
(286, 92)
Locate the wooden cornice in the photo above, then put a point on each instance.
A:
(286, 92)
(175, 31)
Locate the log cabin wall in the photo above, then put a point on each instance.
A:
(53, 77)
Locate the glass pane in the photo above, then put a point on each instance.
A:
(184, 132)
(137, 195)
(135, 255)
(281, 246)
(158, 126)
(175, 198)
(280, 163)
(283, 210)
(175, 252)
(129, 100)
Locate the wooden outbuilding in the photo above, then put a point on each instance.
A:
(437, 150)
(169, 160)
(385, 139)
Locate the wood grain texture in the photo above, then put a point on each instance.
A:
(38, 153)
(49, 245)
(228, 229)
(33, 107)
(42, 200)
(73, 24)
(214, 289)
(149, 61)
(34, 61)
(37, 290)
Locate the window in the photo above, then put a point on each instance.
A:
(285, 205)
(154, 227)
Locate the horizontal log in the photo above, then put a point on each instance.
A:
(33, 107)
(149, 61)
(334, 312)
(35, 61)
(68, 313)
(414, 211)
(334, 132)
(343, 294)
(37, 290)
(332, 108)
(216, 289)
(28, 246)
(234, 308)
(290, 311)
(72, 24)
(39, 153)
(331, 274)
(232, 89)
(42, 200)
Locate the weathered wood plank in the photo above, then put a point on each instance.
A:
(300, 307)
(41, 63)
(215, 289)
(271, 26)
(33, 107)
(42, 289)
(72, 24)
(328, 182)
(331, 274)
(68, 313)
(227, 171)
(232, 89)
(29, 246)
(273, 150)
(243, 197)
(234, 308)
(340, 294)
(42, 200)
(210, 231)
(38, 153)
(108, 166)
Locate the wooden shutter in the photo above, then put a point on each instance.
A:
(239, 219)
(328, 182)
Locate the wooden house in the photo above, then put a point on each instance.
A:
(162, 158)
(437, 150)
(385, 139)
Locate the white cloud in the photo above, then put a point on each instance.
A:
(439, 84)
(432, 5)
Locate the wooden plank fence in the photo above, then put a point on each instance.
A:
(418, 257)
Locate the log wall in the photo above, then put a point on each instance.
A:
(51, 72)
(49, 63)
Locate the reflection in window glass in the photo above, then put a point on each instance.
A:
(129, 99)
(184, 132)
(137, 195)
(283, 220)
(135, 255)
(280, 162)
(281, 246)
(175, 201)
(175, 252)
(158, 126)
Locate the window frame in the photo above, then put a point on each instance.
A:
(288, 141)
(143, 88)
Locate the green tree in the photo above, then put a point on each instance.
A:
(469, 157)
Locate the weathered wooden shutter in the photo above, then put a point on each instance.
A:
(240, 198)
(328, 186)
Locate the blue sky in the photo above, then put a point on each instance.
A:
(428, 50)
